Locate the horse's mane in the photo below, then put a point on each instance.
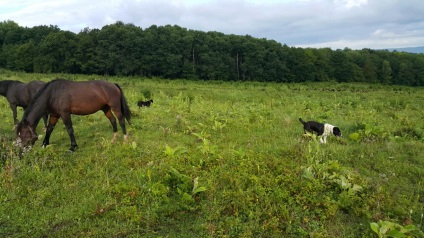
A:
(30, 106)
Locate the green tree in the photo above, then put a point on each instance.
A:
(175, 52)
(118, 49)
(8, 31)
(55, 54)
(274, 64)
(163, 51)
(418, 71)
(87, 55)
(24, 57)
(343, 68)
(301, 65)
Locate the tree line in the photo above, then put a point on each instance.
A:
(175, 52)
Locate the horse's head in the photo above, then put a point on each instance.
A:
(26, 135)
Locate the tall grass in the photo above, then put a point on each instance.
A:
(222, 160)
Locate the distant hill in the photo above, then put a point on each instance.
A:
(416, 50)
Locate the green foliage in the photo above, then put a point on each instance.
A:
(354, 136)
(368, 133)
(175, 52)
(222, 159)
(333, 176)
(173, 153)
(390, 229)
(147, 94)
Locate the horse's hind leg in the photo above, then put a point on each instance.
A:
(121, 120)
(112, 119)
(124, 129)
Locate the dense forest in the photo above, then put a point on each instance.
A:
(175, 52)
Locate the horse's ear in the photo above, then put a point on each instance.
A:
(22, 123)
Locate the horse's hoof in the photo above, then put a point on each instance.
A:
(72, 149)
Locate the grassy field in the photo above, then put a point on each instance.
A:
(223, 159)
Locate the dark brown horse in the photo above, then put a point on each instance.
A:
(61, 98)
(20, 94)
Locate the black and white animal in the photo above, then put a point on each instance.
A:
(144, 103)
(320, 129)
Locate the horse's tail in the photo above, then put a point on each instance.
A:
(302, 121)
(124, 105)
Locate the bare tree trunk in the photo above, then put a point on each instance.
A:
(238, 68)
(194, 72)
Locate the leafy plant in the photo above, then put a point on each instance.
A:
(390, 229)
(196, 188)
(368, 133)
(218, 125)
(174, 152)
(202, 136)
(147, 94)
(332, 172)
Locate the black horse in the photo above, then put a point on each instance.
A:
(61, 98)
(20, 94)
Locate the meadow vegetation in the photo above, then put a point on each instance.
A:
(223, 159)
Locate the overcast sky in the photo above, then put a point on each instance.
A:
(355, 24)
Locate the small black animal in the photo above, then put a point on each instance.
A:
(144, 103)
(320, 129)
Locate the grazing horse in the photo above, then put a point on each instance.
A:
(144, 104)
(61, 98)
(20, 94)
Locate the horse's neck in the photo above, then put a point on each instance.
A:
(3, 89)
(36, 111)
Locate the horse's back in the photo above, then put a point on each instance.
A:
(100, 89)
(83, 88)
(17, 95)
(15, 87)
(33, 87)
(36, 85)
(84, 97)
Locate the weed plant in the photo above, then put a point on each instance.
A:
(223, 159)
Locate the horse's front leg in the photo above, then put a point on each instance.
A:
(68, 124)
(45, 118)
(15, 114)
(52, 123)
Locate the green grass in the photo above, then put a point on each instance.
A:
(222, 159)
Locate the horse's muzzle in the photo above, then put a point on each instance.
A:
(18, 143)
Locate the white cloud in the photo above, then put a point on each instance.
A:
(329, 23)
(352, 3)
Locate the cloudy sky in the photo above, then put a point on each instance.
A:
(355, 24)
